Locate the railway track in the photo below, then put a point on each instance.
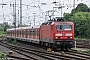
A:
(15, 49)
(71, 55)
(51, 55)
(35, 52)
(16, 57)
(79, 55)
(83, 44)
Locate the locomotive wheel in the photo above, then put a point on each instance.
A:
(41, 43)
(54, 47)
(66, 48)
(62, 49)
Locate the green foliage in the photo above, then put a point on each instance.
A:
(88, 50)
(1, 28)
(14, 42)
(9, 40)
(67, 16)
(85, 51)
(2, 55)
(81, 21)
(79, 50)
(80, 8)
(2, 33)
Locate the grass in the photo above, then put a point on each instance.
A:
(80, 39)
(2, 55)
(13, 41)
(2, 33)
(79, 50)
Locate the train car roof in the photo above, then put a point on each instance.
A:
(29, 27)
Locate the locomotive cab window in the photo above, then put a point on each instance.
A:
(64, 27)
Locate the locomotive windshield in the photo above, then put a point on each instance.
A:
(63, 27)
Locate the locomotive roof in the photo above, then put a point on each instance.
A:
(29, 27)
(51, 23)
(64, 22)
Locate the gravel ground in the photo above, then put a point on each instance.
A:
(6, 51)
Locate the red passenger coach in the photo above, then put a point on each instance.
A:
(29, 34)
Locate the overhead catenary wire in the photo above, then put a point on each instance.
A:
(35, 5)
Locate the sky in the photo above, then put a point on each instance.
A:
(35, 10)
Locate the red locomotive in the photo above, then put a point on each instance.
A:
(51, 34)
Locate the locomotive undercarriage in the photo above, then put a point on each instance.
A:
(59, 44)
(64, 45)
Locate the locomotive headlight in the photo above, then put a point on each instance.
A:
(56, 37)
(71, 37)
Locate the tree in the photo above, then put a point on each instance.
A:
(82, 23)
(81, 20)
(67, 16)
(80, 8)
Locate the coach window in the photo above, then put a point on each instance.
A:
(20, 32)
(24, 32)
(12, 32)
(29, 32)
(9, 32)
(17, 32)
(37, 32)
(33, 32)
